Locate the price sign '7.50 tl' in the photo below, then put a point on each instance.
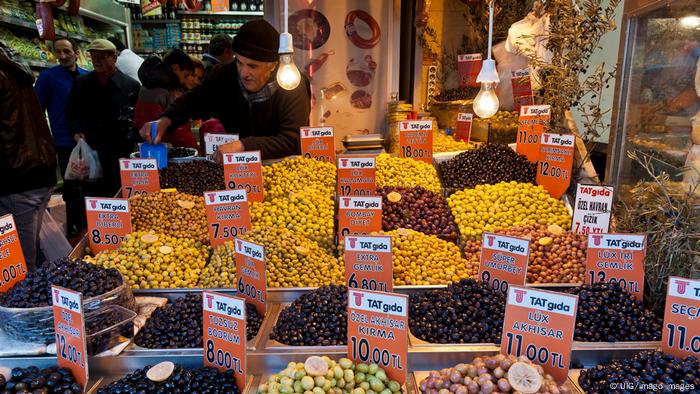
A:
(681, 330)
(227, 215)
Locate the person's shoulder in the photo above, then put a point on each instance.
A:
(224, 70)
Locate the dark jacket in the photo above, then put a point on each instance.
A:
(209, 62)
(27, 155)
(271, 126)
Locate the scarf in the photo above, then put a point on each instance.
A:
(263, 95)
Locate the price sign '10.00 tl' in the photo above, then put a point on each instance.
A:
(13, 268)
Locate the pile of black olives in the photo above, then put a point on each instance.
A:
(464, 312)
(51, 380)
(463, 93)
(201, 380)
(318, 318)
(179, 152)
(195, 177)
(659, 372)
(489, 164)
(416, 209)
(607, 313)
(35, 289)
(98, 343)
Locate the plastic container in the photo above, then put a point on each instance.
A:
(107, 327)
(155, 151)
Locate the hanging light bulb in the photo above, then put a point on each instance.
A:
(288, 76)
(486, 101)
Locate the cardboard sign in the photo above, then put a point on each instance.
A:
(522, 88)
(416, 139)
(250, 269)
(464, 127)
(224, 334)
(243, 170)
(368, 263)
(357, 176)
(556, 160)
(359, 215)
(318, 143)
(681, 329)
(531, 124)
(69, 325)
(468, 68)
(617, 258)
(227, 214)
(139, 176)
(108, 221)
(504, 261)
(212, 142)
(592, 209)
(13, 267)
(540, 325)
(378, 331)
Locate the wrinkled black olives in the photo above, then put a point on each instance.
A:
(201, 380)
(463, 93)
(195, 177)
(416, 209)
(177, 152)
(52, 380)
(487, 165)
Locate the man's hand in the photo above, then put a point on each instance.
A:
(162, 125)
(78, 136)
(231, 147)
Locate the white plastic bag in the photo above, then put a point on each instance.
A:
(54, 244)
(84, 164)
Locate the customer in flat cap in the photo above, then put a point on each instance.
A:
(245, 96)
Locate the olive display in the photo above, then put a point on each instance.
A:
(464, 312)
(178, 325)
(176, 214)
(35, 289)
(505, 205)
(156, 261)
(221, 270)
(462, 93)
(322, 375)
(317, 318)
(607, 313)
(195, 177)
(178, 152)
(488, 164)
(647, 367)
(102, 320)
(201, 380)
(399, 171)
(417, 209)
(502, 127)
(299, 174)
(447, 143)
(51, 380)
(556, 256)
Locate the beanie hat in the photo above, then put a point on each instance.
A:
(257, 40)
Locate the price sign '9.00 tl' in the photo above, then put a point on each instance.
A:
(416, 139)
(359, 215)
(108, 221)
(554, 166)
(318, 143)
(504, 261)
(368, 264)
(357, 176)
(224, 337)
(227, 215)
(139, 176)
(681, 330)
(69, 325)
(13, 267)
(250, 269)
(540, 325)
(532, 123)
(617, 258)
(243, 170)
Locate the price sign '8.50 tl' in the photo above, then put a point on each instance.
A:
(681, 330)
(13, 268)
(108, 221)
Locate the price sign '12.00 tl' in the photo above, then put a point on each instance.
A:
(681, 330)
(13, 268)
(617, 258)
(227, 215)
(69, 325)
(368, 263)
(250, 270)
(224, 337)
(357, 176)
(108, 221)
(318, 143)
(139, 176)
(243, 170)
(416, 139)
(554, 166)
(504, 261)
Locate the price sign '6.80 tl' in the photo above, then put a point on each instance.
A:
(227, 214)
(13, 267)
(69, 325)
(243, 170)
(108, 221)
(224, 336)
(504, 261)
(681, 330)
(139, 176)
(554, 166)
(416, 139)
(250, 269)
(318, 143)
(368, 263)
(617, 258)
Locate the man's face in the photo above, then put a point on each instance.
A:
(183, 75)
(65, 53)
(195, 79)
(254, 74)
(104, 61)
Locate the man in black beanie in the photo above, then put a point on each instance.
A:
(244, 95)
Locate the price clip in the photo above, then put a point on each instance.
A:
(243, 170)
(357, 176)
(318, 143)
(13, 267)
(416, 139)
(69, 326)
(228, 215)
(531, 124)
(681, 330)
(555, 163)
(617, 258)
(504, 261)
(139, 176)
(359, 216)
(468, 68)
(250, 269)
(108, 221)
(592, 209)
(368, 262)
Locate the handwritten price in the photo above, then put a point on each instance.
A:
(496, 283)
(223, 358)
(226, 231)
(69, 352)
(248, 188)
(105, 239)
(682, 341)
(407, 151)
(11, 273)
(630, 286)
(346, 191)
(361, 350)
(250, 290)
(546, 169)
(366, 284)
(541, 355)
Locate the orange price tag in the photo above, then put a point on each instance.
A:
(504, 261)
(357, 176)
(219, 6)
(139, 176)
(468, 68)
(681, 329)
(416, 139)
(522, 88)
(13, 268)
(250, 269)
(224, 334)
(617, 258)
(540, 325)
(318, 143)
(243, 170)
(368, 263)
(69, 325)
(464, 127)
(359, 216)
(227, 214)
(554, 166)
(378, 331)
(592, 209)
(108, 221)
(532, 122)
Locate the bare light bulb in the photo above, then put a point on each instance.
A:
(288, 76)
(486, 101)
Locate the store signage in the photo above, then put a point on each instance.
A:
(212, 142)
(243, 170)
(368, 262)
(69, 326)
(378, 331)
(227, 214)
(555, 162)
(13, 267)
(540, 325)
(468, 68)
(151, 8)
(416, 139)
(219, 6)
(521, 83)
(359, 216)
(108, 222)
(617, 258)
(250, 269)
(681, 329)
(532, 123)
(357, 176)
(464, 127)
(592, 209)
(139, 176)
(224, 334)
(504, 261)
(318, 143)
